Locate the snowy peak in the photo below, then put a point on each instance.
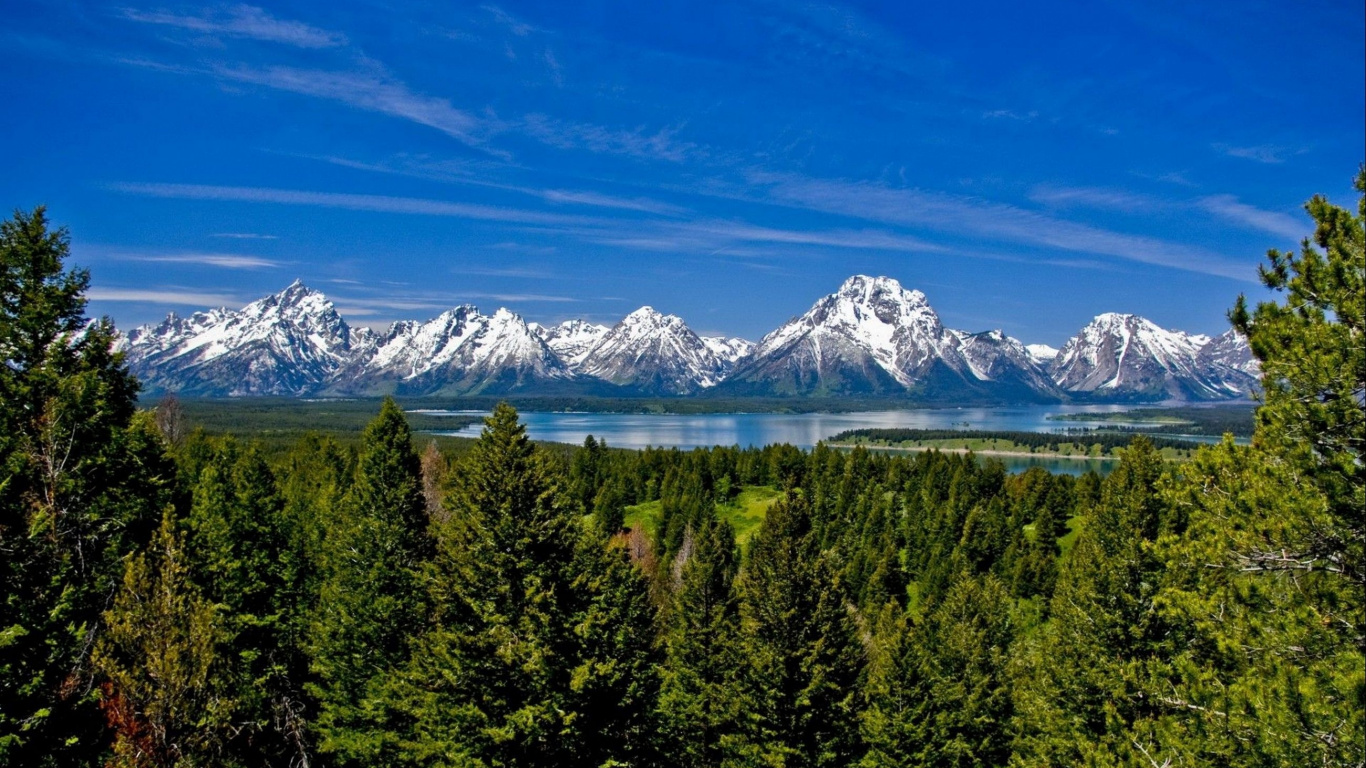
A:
(571, 340)
(873, 336)
(655, 353)
(728, 350)
(1122, 356)
(460, 351)
(1042, 354)
(285, 344)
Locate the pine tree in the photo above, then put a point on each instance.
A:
(82, 483)
(243, 560)
(491, 683)
(371, 605)
(159, 657)
(1313, 356)
(1079, 693)
(803, 656)
(614, 685)
(939, 693)
(1263, 590)
(968, 640)
(700, 696)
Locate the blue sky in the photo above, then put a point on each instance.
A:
(1026, 165)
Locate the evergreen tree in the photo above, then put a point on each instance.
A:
(699, 700)
(371, 605)
(159, 656)
(938, 694)
(525, 649)
(1079, 692)
(1264, 583)
(968, 640)
(82, 483)
(803, 655)
(244, 562)
(897, 704)
(614, 685)
(1313, 356)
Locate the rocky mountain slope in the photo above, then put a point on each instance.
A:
(874, 337)
(1127, 357)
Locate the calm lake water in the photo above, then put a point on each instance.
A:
(804, 430)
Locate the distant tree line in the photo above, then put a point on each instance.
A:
(1080, 439)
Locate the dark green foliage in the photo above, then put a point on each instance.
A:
(82, 483)
(1079, 689)
(249, 562)
(541, 652)
(939, 694)
(371, 604)
(700, 701)
(802, 655)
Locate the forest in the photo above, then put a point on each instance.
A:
(170, 597)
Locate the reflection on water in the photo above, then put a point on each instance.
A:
(804, 430)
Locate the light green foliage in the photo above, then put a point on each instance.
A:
(1265, 591)
(1313, 355)
(1261, 665)
(160, 656)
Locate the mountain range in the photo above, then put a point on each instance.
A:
(870, 338)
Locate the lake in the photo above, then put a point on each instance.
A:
(804, 430)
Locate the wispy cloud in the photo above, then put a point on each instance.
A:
(1263, 153)
(643, 143)
(365, 91)
(1094, 197)
(982, 218)
(243, 21)
(514, 25)
(1276, 223)
(580, 197)
(1010, 114)
(187, 297)
(527, 274)
(454, 172)
(244, 236)
(222, 260)
(377, 203)
(553, 65)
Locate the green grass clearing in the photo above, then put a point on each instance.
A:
(744, 513)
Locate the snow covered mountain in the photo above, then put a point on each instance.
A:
(459, 352)
(728, 350)
(1127, 357)
(572, 340)
(1042, 354)
(656, 354)
(874, 337)
(291, 343)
